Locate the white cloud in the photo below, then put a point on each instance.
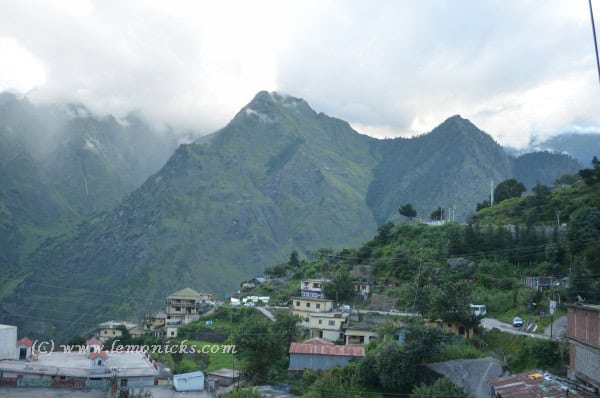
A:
(19, 70)
(388, 67)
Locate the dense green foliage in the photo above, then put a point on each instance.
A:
(264, 346)
(520, 353)
(441, 388)
(391, 367)
(508, 189)
(407, 210)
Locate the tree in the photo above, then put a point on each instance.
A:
(451, 303)
(507, 189)
(441, 388)
(340, 288)
(437, 214)
(483, 205)
(584, 226)
(567, 179)
(395, 364)
(396, 372)
(259, 347)
(294, 262)
(591, 176)
(408, 211)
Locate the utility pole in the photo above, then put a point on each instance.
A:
(492, 193)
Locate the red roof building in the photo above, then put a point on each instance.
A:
(25, 341)
(317, 353)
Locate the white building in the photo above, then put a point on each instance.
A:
(91, 368)
(8, 336)
(193, 381)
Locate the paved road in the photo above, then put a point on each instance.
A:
(470, 374)
(491, 323)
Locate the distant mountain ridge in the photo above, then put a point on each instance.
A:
(580, 146)
(279, 176)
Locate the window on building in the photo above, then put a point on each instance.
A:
(297, 304)
(320, 321)
(99, 362)
(114, 332)
(307, 305)
(177, 308)
(316, 285)
(363, 287)
(172, 333)
(106, 332)
(123, 382)
(332, 323)
(318, 305)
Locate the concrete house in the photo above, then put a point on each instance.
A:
(583, 332)
(24, 348)
(91, 368)
(328, 325)
(359, 334)
(303, 307)
(454, 327)
(363, 288)
(313, 288)
(317, 353)
(183, 307)
(112, 330)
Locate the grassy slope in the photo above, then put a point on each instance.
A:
(515, 211)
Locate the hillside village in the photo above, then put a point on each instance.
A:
(424, 294)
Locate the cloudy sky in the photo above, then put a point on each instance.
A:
(517, 69)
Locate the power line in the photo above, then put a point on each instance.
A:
(595, 40)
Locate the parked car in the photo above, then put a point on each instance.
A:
(517, 322)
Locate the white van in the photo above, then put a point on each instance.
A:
(478, 309)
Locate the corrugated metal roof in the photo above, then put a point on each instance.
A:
(536, 384)
(185, 294)
(317, 346)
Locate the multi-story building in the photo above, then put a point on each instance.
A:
(313, 288)
(328, 325)
(363, 288)
(183, 307)
(583, 332)
(303, 307)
